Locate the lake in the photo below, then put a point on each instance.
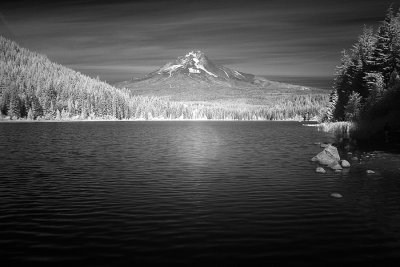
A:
(101, 193)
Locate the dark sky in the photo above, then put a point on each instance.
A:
(118, 38)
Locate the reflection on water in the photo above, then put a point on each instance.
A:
(124, 192)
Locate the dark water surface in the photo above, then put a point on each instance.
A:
(321, 82)
(232, 192)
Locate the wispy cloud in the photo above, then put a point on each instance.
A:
(261, 37)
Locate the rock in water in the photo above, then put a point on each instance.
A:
(324, 145)
(329, 156)
(370, 172)
(333, 152)
(314, 159)
(320, 170)
(336, 195)
(345, 163)
(335, 166)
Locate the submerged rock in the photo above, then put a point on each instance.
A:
(320, 170)
(345, 163)
(336, 195)
(370, 172)
(354, 158)
(335, 166)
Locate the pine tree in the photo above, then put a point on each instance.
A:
(330, 110)
(14, 108)
(353, 107)
(36, 108)
(4, 102)
(345, 74)
(376, 87)
(386, 54)
(30, 115)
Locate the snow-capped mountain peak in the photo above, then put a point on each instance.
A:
(195, 66)
(193, 62)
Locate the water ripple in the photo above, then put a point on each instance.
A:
(106, 193)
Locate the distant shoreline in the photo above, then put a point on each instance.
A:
(139, 120)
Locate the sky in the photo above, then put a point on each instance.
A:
(116, 40)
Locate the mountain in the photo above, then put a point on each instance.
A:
(194, 77)
(196, 66)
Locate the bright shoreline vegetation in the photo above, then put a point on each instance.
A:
(34, 88)
(366, 95)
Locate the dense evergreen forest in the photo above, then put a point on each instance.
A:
(32, 87)
(367, 83)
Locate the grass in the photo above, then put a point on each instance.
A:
(341, 129)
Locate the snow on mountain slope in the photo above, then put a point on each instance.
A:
(197, 66)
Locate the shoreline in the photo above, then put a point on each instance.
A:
(152, 120)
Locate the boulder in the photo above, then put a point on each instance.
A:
(328, 156)
(331, 150)
(345, 163)
(320, 170)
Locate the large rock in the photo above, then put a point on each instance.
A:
(329, 156)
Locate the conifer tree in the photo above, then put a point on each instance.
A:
(353, 107)
(14, 108)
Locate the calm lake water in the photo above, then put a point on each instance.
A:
(103, 193)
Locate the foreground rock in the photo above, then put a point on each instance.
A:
(320, 170)
(329, 157)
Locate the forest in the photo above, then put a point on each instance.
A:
(34, 88)
(367, 82)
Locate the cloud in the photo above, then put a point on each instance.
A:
(260, 37)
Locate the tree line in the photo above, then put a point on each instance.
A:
(367, 82)
(32, 87)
